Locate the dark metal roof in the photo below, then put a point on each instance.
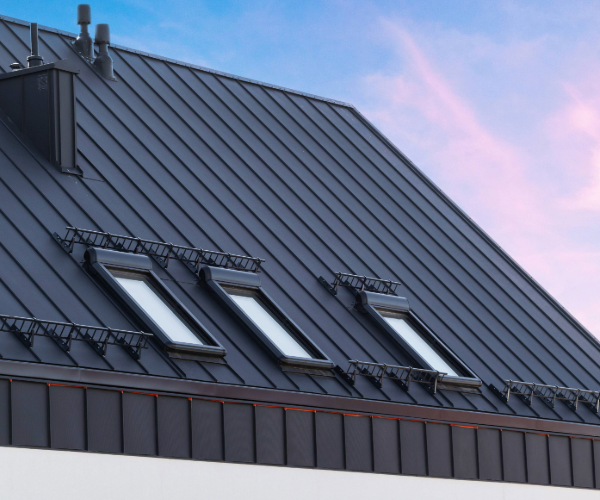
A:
(181, 154)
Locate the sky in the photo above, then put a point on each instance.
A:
(497, 102)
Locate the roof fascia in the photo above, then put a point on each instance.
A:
(191, 388)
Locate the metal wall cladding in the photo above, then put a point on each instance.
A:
(111, 421)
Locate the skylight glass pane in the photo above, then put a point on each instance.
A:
(270, 327)
(159, 311)
(412, 338)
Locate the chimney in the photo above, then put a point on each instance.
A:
(84, 43)
(34, 59)
(104, 63)
(40, 103)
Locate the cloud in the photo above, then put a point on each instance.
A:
(536, 191)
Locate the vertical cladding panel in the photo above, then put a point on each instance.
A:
(439, 450)
(596, 450)
(104, 421)
(582, 455)
(464, 452)
(239, 432)
(174, 433)
(207, 430)
(489, 450)
(29, 405)
(139, 424)
(67, 417)
(538, 465)
(559, 449)
(4, 412)
(386, 445)
(513, 457)
(358, 443)
(413, 447)
(270, 435)
(300, 432)
(330, 440)
(66, 121)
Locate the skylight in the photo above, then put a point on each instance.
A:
(269, 325)
(158, 310)
(129, 277)
(247, 301)
(419, 344)
(425, 351)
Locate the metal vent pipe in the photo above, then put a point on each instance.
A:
(84, 43)
(104, 63)
(34, 59)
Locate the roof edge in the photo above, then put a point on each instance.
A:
(477, 228)
(185, 64)
(103, 379)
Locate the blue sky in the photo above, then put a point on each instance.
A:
(498, 102)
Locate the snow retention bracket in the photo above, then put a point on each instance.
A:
(359, 283)
(193, 258)
(549, 394)
(26, 329)
(402, 375)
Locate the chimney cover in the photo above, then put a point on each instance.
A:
(84, 14)
(102, 33)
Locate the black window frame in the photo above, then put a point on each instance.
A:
(219, 279)
(100, 261)
(372, 303)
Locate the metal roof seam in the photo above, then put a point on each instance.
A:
(143, 80)
(558, 343)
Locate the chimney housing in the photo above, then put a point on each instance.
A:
(40, 103)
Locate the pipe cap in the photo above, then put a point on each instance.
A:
(102, 33)
(84, 14)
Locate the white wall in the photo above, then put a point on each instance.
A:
(49, 474)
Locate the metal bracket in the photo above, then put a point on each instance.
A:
(26, 329)
(401, 375)
(358, 283)
(161, 252)
(549, 394)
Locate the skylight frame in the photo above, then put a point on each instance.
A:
(218, 280)
(374, 304)
(102, 261)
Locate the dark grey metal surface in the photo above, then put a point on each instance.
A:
(178, 154)
(270, 435)
(67, 418)
(184, 428)
(139, 424)
(172, 415)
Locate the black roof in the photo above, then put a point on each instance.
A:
(182, 154)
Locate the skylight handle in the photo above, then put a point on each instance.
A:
(34, 59)
(84, 43)
(104, 63)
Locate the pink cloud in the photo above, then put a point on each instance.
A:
(537, 193)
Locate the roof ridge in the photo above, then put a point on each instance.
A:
(187, 65)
